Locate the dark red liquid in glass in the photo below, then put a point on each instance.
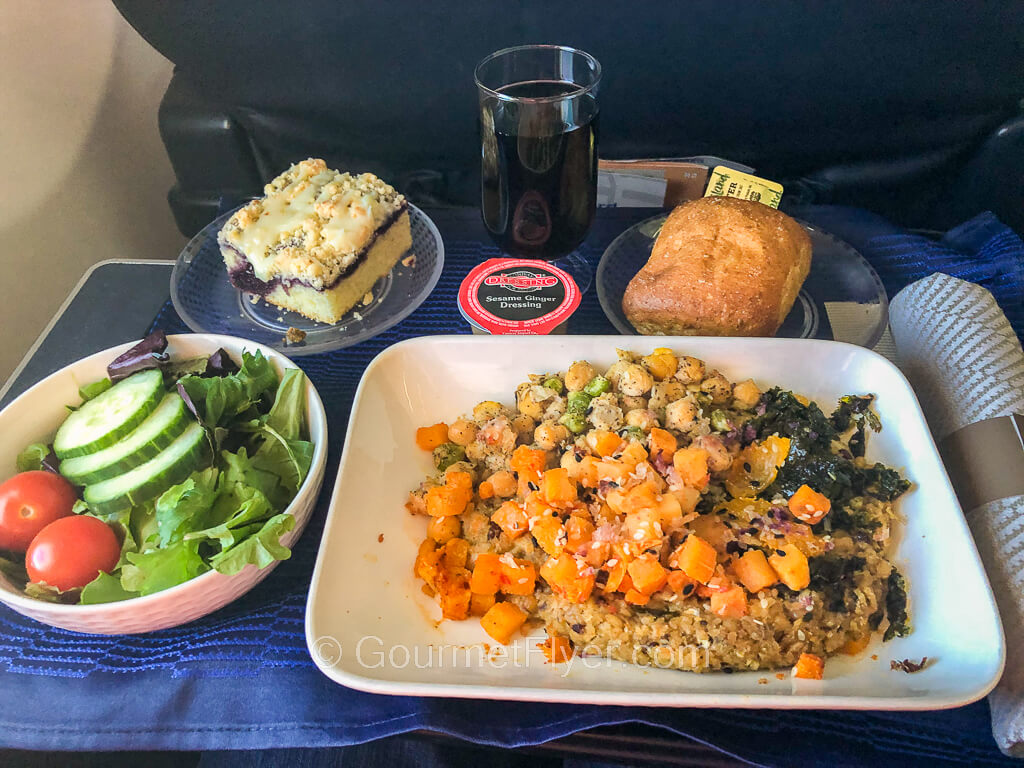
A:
(539, 169)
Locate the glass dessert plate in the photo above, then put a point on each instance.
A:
(843, 298)
(208, 303)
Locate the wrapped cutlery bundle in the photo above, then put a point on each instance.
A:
(965, 362)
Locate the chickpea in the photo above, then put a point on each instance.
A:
(641, 418)
(614, 372)
(665, 392)
(522, 424)
(719, 458)
(530, 399)
(503, 483)
(570, 463)
(487, 410)
(681, 414)
(462, 432)
(578, 375)
(662, 363)
(442, 529)
(549, 435)
(635, 380)
(746, 394)
(690, 370)
(718, 387)
(630, 403)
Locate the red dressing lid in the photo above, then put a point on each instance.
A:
(518, 296)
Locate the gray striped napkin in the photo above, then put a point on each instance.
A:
(966, 365)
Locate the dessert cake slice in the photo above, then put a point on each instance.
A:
(317, 241)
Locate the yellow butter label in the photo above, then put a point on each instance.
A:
(727, 182)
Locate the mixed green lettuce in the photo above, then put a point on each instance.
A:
(226, 515)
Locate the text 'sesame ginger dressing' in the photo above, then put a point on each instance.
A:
(518, 297)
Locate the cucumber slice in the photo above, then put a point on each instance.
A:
(109, 416)
(147, 440)
(147, 481)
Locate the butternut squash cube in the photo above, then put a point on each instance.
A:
(579, 531)
(428, 438)
(556, 649)
(809, 667)
(557, 487)
(792, 566)
(662, 443)
(730, 604)
(696, 558)
(502, 621)
(453, 588)
(486, 579)
(511, 518)
(691, 465)
(567, 579)
(518, 577)
(754, 571)
(549, 533)
(647, 574)
(480, 604)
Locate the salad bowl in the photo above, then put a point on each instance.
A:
(35, 416)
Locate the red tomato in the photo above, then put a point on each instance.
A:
(70, 552)
(28, 503)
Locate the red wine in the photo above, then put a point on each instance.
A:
(539, 168)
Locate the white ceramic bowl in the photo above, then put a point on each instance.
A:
(35, 416)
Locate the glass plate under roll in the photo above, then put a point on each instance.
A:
(842, 299)
(208, 303)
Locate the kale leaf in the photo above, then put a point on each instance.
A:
(779, 412)
(854, 410)
(833, 577)
(896, 607)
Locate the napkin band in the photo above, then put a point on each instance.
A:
(985, 460)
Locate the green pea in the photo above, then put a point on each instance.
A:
(579, 402)
(597, 386)
(574, 422)
(555, 384)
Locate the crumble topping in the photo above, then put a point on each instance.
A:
(311, 223)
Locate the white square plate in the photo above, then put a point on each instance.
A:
(369, 626)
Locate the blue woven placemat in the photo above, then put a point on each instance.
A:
(242, 678)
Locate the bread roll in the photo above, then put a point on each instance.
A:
(720, 267)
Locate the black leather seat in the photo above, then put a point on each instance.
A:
(911, 109)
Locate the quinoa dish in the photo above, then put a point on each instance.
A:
(658, 514)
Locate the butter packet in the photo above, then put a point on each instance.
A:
(728, 182)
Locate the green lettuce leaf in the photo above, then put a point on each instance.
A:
(239, 506)
(89, 391)
(260, 549)
(289, 460)
(12, 566)
(288, 413)
(221, 399)
(185, 506)
(239, 468)
(105, 588)
(50, 594)
(32, 457)
(143, 527)
(159, 569)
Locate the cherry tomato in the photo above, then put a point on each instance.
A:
(70, 552)
(28, 503)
